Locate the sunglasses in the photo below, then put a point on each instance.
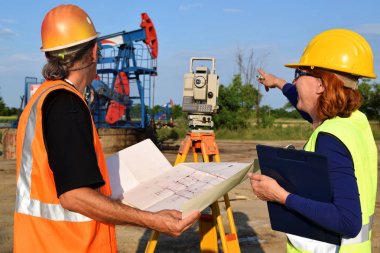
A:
(298, 73)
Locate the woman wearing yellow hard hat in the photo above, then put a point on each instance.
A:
(325, 92)
(63, 199)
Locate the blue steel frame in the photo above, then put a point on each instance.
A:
(132, 56)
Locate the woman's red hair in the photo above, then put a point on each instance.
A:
(336, 100)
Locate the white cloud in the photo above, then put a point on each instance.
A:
(188, 7)
(6, 32)
(368, 29)
(13, 63)
(231, 10)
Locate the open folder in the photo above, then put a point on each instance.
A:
(302, 173)
(142, 177)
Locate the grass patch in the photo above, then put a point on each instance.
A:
(255, 133)
(7, 119)
(300, 130)
(170, 133)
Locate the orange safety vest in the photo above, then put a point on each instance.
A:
(41, 224)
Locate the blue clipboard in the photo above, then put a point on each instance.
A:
(305, 174)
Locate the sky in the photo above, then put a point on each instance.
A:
(276, 31)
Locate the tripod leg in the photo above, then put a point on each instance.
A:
(206, 158)
(183, 151)
(222, 233)
(232, 238)
(152, 243)
(195, 154)
(208, 234)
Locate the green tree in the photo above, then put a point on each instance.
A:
(375, 102)
(371, 99)
(5, 110)
(3, 107)
(286, 112)
(266, 117)
(176, 112)
(155, 109)
(236, 103)
(248, 65)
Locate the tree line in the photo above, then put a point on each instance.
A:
(238, 107)
(5, 110)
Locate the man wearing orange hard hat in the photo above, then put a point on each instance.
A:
(325, 91)
(63, 187)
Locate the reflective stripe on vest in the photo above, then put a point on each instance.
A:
(310, 245)
(24, 203)
(363, 235)
(303, 244)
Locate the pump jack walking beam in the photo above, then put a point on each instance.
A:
(203, 141)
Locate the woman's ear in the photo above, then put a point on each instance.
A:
(320, 87)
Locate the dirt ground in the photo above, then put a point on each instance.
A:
(250, 214)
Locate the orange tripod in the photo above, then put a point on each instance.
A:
(203, 142)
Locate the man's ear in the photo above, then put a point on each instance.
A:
(95, 53)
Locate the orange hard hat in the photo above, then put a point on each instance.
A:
(66, 26)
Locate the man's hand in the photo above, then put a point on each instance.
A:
(170, 222)
(267, 189)
(95, 205)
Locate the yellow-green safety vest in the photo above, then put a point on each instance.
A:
(355, 133)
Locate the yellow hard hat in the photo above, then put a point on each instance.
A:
(66, 26)
(340, 50)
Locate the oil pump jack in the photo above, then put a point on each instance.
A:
(126, 69)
